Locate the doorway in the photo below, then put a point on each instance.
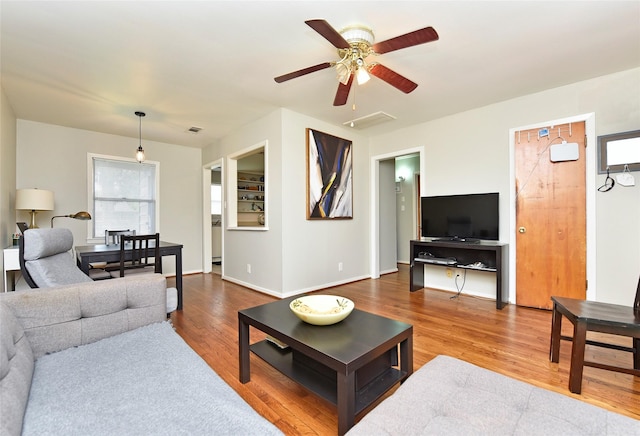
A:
(553, 211)
(216, 220)
(213, 179)
(380, 183)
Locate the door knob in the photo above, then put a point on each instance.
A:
(522, 230)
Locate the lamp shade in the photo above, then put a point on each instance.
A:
(34, 199)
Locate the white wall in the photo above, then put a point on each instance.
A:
(469, 152)
(465, 152)
(7, 173)
(55, 158)
(295, 255)
(261, 249)
(312, 249)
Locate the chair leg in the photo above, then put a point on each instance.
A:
(577, 357)
(556, 329)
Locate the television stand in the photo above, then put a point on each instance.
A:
(492, 254)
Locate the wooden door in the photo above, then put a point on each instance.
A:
(550, 216)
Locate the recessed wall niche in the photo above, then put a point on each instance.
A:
(246, 202)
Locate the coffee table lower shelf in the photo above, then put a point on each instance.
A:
(321, 380)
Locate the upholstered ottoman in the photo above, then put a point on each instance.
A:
(448, 396)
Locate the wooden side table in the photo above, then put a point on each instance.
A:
(11, 262)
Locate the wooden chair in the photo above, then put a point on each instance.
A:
(597, 317)
(112, 237)
(102, 270)
(139, 254)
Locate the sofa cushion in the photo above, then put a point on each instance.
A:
(72, 315)
(146, 381)
(448, 396)
(16, 371)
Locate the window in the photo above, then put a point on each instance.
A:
(123, 195)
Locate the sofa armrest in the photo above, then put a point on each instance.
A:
(67, 316)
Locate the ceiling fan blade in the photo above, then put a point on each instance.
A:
(410, 39)
(392, 78)
(343, 92)
(328, 33)
(302, 72)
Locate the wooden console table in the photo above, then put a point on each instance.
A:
(494, 255)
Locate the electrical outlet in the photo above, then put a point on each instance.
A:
(249, 268)
(339, 266)
(449, 272)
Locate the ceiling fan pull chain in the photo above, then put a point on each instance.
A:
(353, 107)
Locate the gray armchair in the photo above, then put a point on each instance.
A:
(45, 258)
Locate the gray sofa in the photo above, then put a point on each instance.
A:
(448, 396)
(100, 358)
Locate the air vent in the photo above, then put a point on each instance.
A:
(370, 120)
(194, 129)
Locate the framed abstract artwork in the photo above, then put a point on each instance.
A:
(329, 177)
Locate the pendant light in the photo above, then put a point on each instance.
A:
(140, 151)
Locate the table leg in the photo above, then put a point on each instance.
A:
(243, 347)
(346, 401)
(416, 276)
(84, 266)
(406, 356)
(636, 355)
(179, 277)
(556, 330)
(577, 356)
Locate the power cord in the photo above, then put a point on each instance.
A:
(464, 279)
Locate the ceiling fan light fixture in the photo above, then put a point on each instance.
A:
(354, 45)
(343, 72)
(358, 34)
(362, 76)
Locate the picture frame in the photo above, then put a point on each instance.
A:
(329, 176)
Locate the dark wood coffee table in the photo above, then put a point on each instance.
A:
(350, 364)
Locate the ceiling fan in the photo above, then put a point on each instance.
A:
(355, 44)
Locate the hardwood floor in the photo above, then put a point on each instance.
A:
(513, 341)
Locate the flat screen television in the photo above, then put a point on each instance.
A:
(466, 218)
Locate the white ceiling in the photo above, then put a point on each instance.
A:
(91, 65)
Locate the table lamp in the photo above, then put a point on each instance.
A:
(82, 215)
(34, 200)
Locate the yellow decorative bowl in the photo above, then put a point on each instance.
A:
(321, 309)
